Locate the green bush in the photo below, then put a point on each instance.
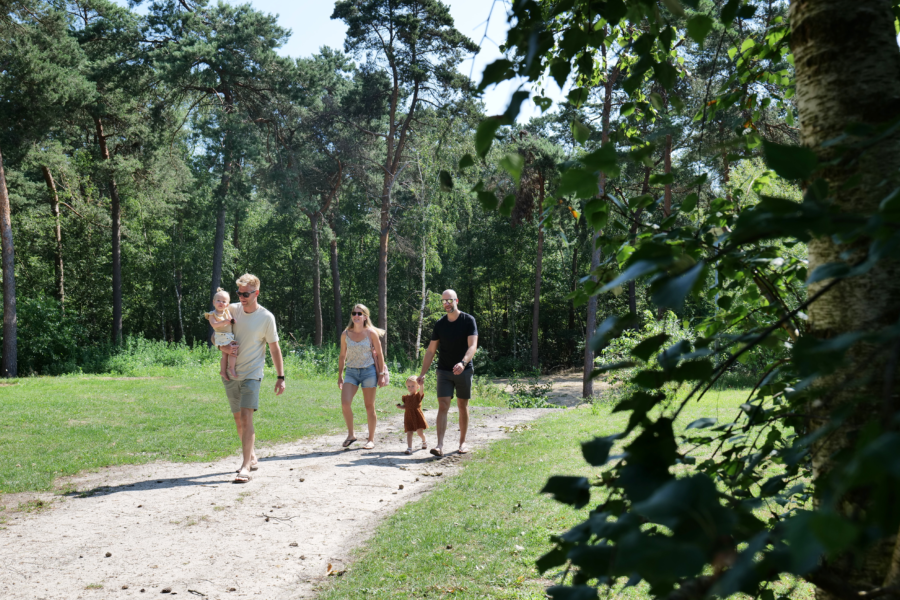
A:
(49, 341)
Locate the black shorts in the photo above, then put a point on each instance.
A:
(447, 382)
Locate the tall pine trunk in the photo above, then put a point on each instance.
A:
(219, 240)
(317, 279)
(8, 363)
(539, 261)
(587, 386)
(842, 80)
(667, 199)
(54, 209)
(115, 212)
(336, 283)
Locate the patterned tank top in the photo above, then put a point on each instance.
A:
(359, 354)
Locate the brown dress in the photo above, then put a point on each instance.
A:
(414, 419)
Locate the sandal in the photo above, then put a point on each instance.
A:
(408, 451)
(242, 477)
(369, 445)
(424, 445)
(463, 449)
(348, 441)
(437, 452)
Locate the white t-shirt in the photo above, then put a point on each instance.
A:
(253, 331)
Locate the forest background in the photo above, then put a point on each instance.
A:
(152, 156)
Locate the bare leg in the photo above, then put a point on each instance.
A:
(409, 436)
(223, 366)
(441, 421)
(463, 405)
(232, 360)
(347, 394)
(369, 399)
(244, 422)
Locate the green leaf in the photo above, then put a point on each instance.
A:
(662, 179)
(484, 135)
(580, 131)
(507, 205)
(671, 292)
(513, 163)
(612, 10)
(497, 71)
(637, 269)
(674, 7)
(834, 532)
(698, 27)
(648, 347)
(702, 423)
(575, 491)
(596, 452)
(515, 105)
(578, 182)
(543, 103)
(554, 558)
(729, 11)
(790, 162)
(665, 74)
(488, 200)
(466, 161)
(626, 109)
(446, 181)
(689, 203)
(656, 101)
(695, 370)
(578, 96)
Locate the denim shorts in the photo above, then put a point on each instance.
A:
(365, 377)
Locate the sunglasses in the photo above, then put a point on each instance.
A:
(357, 314)
(450, 301)
(246, 294)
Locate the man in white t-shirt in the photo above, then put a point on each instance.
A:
(254, 328)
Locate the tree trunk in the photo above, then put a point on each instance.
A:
(54, 208)
(8, 363)
(667, 199)
(851, 78)
(587, 387)
(177, 279)
(574, 284)
(317, 280)
(219, 241)
(536, 316)
(383, 238)
(336, 284)
(422, 305)
(116, 219)
(632, 288)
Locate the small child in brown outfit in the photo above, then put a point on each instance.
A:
(414, 419)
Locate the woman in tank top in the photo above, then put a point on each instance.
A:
(360, 364)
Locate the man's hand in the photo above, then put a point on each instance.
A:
(233, 348)
(458, 368)
(421, 380)
(279, 387)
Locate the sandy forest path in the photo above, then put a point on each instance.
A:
(188, 528)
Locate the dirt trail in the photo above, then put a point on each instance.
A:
(566, 387)
(188, 528)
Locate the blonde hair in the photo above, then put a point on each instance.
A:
(413, 378)
(248, 280)
(221, 292)
(367, 323)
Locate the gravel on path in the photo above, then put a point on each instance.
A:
(187, 528)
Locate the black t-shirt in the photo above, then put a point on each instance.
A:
(454, 339)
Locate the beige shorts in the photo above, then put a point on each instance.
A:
(242, 393)
(224, 339)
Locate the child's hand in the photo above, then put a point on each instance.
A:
(400, 405)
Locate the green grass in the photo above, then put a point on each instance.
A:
(478, 535)
(58, 426)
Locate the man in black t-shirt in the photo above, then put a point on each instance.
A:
(457, 336)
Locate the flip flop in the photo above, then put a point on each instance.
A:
(242, 478)
(463, 449)
(348, 441)
(253, 467)
(436, 452)
(369, 445)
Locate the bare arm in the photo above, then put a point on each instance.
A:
(379, 357)
(278, 362)
(426, 362)
(341, 360)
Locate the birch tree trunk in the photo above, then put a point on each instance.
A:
(317, 279)
(851, 78)
(422, 305)
(536, 315)
(8, 363)
(54, 209)
(116, 224)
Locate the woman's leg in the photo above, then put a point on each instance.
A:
(369, 399)
(347, 394)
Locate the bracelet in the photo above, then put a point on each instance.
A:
(280, 377)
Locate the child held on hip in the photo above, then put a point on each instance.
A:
(221, 321)
(414, 419)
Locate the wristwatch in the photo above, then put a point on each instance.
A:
(280, 377)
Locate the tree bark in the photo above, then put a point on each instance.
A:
(219, 240)
(177, 279)
(317, 279)
(9, 361)
(587, 387)
(422, 305)
(667, 199)
(116, 223)
(54, 208)
(336, 283)
(536, 315)
(851, 78)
